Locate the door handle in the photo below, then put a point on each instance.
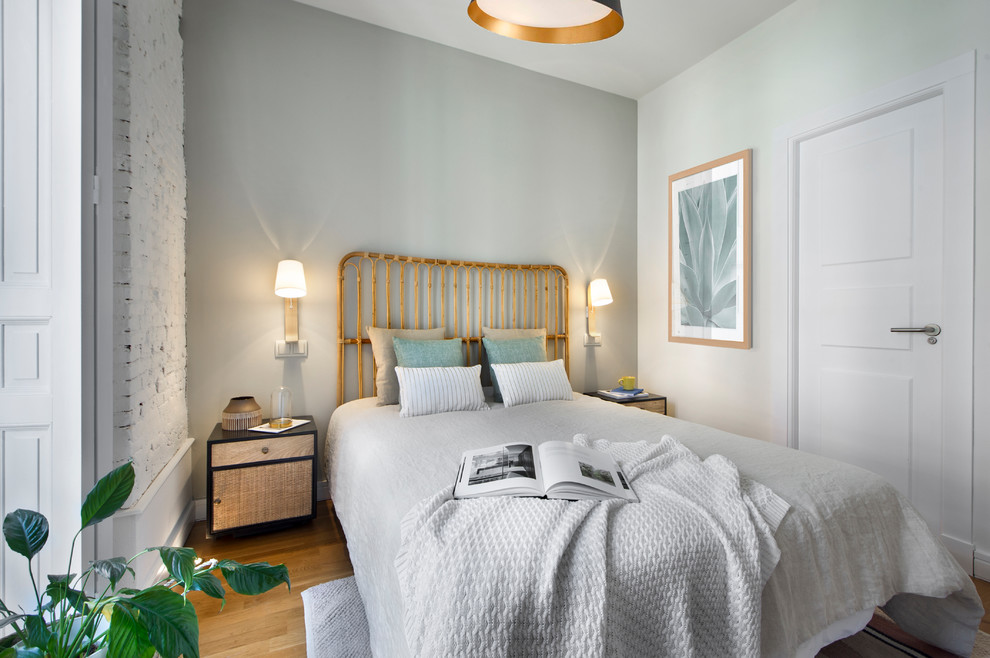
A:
(928, 330)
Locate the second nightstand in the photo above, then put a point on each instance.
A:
(650, 402)
(257, 481)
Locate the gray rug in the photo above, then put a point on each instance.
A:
(335, 623)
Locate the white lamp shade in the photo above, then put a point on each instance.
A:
(290, 281)
(598, 293)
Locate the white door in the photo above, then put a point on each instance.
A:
(880, 247)
(40, 254)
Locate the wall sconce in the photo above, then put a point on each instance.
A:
(290, 283)
(598, 295)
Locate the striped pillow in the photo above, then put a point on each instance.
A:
(424, 391)
(523, 383)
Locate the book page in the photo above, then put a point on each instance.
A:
(510, 468)
(564, 462)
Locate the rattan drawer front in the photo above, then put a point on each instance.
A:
(260, 494)
(262, 450)
(656, 406)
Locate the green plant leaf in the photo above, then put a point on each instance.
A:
(254, 578)
(25, 531)
(169, 620)
(210, 585)
(127, 637)
(37, 631)
(180, 562)
(108, 495)
(6, 621)
(59, 591)
(32, 652)
(112, 569)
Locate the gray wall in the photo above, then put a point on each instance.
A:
(309, 135)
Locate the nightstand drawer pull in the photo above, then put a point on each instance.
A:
(264, 450)
(216, 501)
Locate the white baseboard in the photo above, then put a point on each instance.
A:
(163, 516)
(322, 493)
(981, 565)
(963, 551)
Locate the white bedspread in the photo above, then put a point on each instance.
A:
(849, 542)
(677, 574)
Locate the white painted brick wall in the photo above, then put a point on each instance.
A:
(150, 415)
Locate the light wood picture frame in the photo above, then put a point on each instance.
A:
(709, 253)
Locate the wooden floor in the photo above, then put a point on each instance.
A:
(983, 587)
(272, 623)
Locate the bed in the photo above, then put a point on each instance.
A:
(849, 541)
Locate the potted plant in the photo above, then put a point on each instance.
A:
(72, 614)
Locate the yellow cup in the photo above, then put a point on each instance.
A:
(628, 382)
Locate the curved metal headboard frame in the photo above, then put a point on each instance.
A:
(425, 293)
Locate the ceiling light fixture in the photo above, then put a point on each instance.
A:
(549, 21)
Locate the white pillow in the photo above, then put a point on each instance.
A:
(425, 391)
(524, 383)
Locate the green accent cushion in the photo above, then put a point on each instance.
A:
(519, 350)
(428, 353)
(504, 334)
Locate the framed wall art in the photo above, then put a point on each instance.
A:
(709, 253)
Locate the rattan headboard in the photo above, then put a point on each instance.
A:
(424, 293)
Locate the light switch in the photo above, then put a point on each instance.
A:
(287, 350)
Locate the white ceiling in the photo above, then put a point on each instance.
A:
(660, 39)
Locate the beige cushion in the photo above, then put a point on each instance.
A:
(384, 351)
(503, 334)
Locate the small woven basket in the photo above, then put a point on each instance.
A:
(241, 413)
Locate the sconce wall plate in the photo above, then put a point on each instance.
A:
(285, 349)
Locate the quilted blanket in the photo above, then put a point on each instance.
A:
(679, 573)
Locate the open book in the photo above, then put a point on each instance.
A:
(555, 469)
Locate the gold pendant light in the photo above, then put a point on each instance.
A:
(549, 21)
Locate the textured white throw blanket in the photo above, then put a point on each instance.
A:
(679, 573)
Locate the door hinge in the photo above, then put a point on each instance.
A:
(96, 190)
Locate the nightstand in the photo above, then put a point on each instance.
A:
(650, 402)
(258, 481)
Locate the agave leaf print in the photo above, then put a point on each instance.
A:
(707, 232)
